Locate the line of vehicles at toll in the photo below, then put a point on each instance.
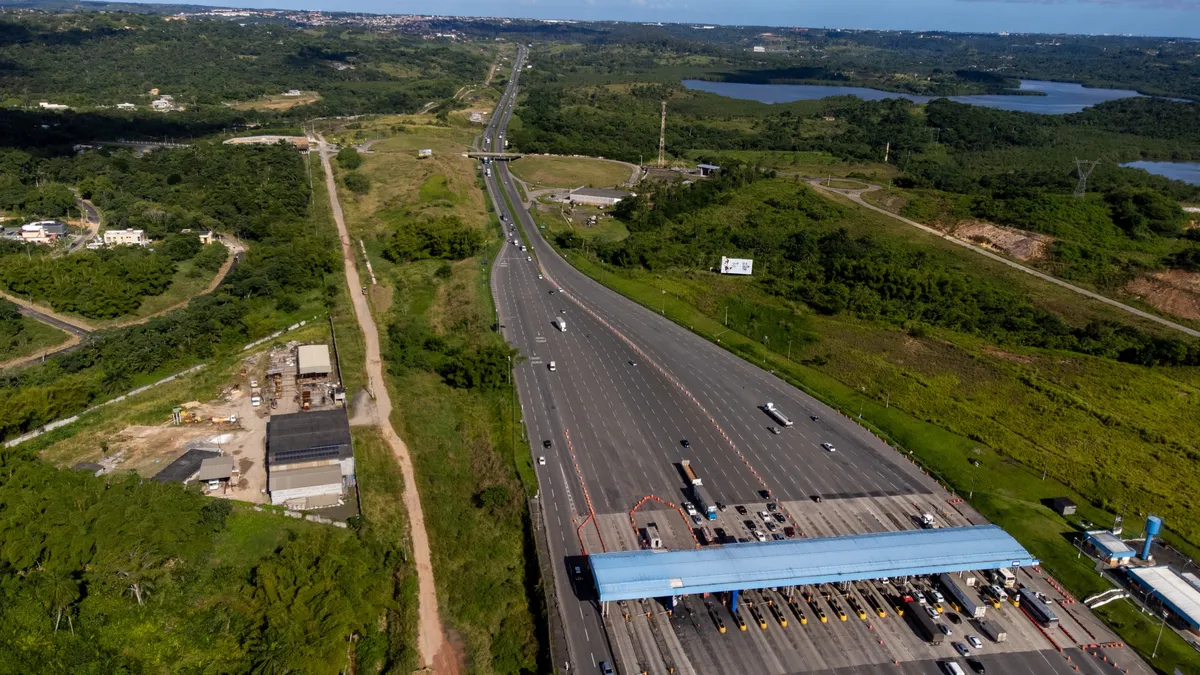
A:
(927, 600)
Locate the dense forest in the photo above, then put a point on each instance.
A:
(121, 575)
(90, 59)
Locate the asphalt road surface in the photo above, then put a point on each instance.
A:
(628, 386)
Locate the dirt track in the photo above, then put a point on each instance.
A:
(431, 644)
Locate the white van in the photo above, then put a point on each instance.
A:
(561, 323)
(553, 367)
(952, 668)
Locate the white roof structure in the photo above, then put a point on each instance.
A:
(313, 359)
(1174, 591)
(215, 468)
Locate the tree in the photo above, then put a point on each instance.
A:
(348, 158)
(357, 183)
(1144, 211)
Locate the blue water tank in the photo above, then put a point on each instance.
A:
(1153, 526)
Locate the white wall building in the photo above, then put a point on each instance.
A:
(598, 197)
(125, 238)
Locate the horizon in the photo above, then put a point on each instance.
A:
(1115, 18)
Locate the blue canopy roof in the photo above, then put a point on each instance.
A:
(652, 574)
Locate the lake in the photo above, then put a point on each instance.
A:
(1060, 97)
(1188, 172)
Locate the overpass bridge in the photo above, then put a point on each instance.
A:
(495, 156)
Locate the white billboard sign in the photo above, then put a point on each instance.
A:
(736, 265)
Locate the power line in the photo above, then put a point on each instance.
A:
(1083, 168)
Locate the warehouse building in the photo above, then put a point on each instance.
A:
(310, 459)
(1108, 547)
(598, 197)
(313, 360)
(1179, 597)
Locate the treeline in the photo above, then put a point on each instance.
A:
(794, 233)
(95, 284)
(445, 237)
(90, 567)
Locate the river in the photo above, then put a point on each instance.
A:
(1059, 97)
(1188, 172)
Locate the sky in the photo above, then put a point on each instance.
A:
(1175, 18)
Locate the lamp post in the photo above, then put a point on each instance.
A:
(664, 302)
(1162, 625)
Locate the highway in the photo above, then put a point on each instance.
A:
(627, 388)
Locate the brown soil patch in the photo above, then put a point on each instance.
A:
(1017, 244)
(1173, 291)
(1007, 356)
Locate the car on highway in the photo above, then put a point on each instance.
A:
(528, 258)
(975, 641)
(760, 536)
(720, 532)
(945, 629)
(777, 537)
(829, 447)
(789, 531)
(721, 506)
(960, 648)
(553, 367)
(774, 430)
(540, 277)
(779, 518)
(976, 665)
(816, 498)
(541, 460)
(954, 618)
(740, 509)
(605, 669)
(771, 506)
(750, 525)
(951, 668)
(814, 418)
(697, 519)
(933, 613)
(691, 510)
(770, 526)
(546, 444)
(685, 443)
(766, 517)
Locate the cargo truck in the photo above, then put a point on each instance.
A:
(692, 478)
(707, 505)
(993, 630)
(961, 599)
(777, 415)
(653, 539)
(926, 627)
(561, 324)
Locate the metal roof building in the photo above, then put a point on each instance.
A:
(313, 360)
(649, 574)
(598, 196)
(1109, 546)
(1172, 590)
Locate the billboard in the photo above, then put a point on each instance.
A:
(736, 265)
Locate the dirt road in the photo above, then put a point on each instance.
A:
(856, 197)
(431, 644)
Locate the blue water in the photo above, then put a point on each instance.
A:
(1188, 172)
(1060, 97)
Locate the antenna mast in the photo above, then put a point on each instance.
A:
(1084, 169)
(662, 137)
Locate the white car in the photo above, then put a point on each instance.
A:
(540, 277)
(975, 642)
(829, 447)
(691, 510)
(933, 613)
(760, 536)
(945, 629)
(766, 517)
(961, 648)
(553, 367)
(529, 258)
(541, 460)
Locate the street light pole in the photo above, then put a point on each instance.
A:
(1160, 632)
(664, 302)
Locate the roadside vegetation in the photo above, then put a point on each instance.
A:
(428, 232)
(20, 336)
(570, 172)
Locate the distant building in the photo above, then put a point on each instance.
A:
(310, 458)
(216, 471)
(598, 197)
(708, 169)
(125, 238)
(43, 231)
(207, 237)
(477, 118)
(1062, 506)
(759, 50)
(46, 105)
(424, 152)
(126, 106)
(292, 92)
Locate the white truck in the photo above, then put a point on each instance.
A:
(561, 324)
(777, 415)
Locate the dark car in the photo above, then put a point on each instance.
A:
(770, 526)
(720, 532)
(954, 619)
(816, 498)
(779, 518)
(771, 506)
(740, 509)
(546, 443)
(777, 537)
(721, 506)
(789, 531)
(765, 494)
(814, 418)
(976, 665)
(750, 525)
(685, 443)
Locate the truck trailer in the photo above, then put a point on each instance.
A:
(926, 627)
(777, 415)
(961, 599)
(703, 501)
(993, 630)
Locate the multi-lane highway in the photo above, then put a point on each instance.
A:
(607, 424)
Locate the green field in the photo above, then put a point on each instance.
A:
(30, 337)
(469, 453)
(570, 172)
